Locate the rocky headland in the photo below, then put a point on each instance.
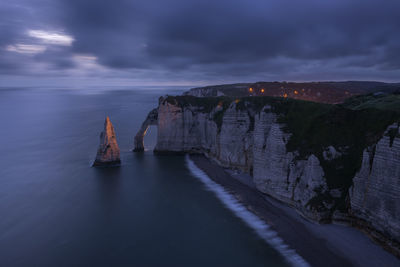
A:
(332, 163)
(108, 153)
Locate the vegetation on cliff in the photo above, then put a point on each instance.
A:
(314, 127)
(215, 106)
(323, 92)
(349, 128)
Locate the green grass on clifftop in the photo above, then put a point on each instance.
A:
(349, 127)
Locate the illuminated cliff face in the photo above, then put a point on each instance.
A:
(108, 152)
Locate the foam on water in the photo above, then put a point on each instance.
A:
(258, 225)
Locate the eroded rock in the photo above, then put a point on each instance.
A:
(108, 153)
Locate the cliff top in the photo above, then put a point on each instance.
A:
(324, 92)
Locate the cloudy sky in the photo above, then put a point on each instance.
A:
(194, 42)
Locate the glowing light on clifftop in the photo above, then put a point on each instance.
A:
(296, 92)
(251, 90)
(285, 95)
(262, 90)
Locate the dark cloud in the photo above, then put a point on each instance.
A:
(58, 58)
(212, 40)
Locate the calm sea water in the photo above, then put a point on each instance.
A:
(55, 210)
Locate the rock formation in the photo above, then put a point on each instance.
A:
(150, 120)
(347, 171)
(279, 174)
(108, 153)
(375, 194)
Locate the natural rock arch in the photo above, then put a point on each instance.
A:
(151, 119)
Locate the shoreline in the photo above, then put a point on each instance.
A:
(317, 244)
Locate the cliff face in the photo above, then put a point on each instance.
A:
(189, 130)
(278, 173)
(375, 194)
(327, 175)
(108, 153)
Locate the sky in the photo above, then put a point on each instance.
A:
(197, 42)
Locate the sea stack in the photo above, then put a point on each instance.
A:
(108, 152)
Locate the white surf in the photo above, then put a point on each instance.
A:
(253, 221)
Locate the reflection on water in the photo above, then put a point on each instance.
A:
(109, 184)
(56, 210)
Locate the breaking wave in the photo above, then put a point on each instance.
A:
(258, 225)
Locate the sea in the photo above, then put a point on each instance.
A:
(153, 210)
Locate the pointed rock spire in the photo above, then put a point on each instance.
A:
(108, 152)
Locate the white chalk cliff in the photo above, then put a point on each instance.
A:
(375, 194)
(256, 142)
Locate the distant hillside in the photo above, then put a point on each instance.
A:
(379, 100)
(325, 92)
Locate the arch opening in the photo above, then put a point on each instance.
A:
(151, 119)
(150, 138)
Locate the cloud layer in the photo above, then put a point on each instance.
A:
(201, 41)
